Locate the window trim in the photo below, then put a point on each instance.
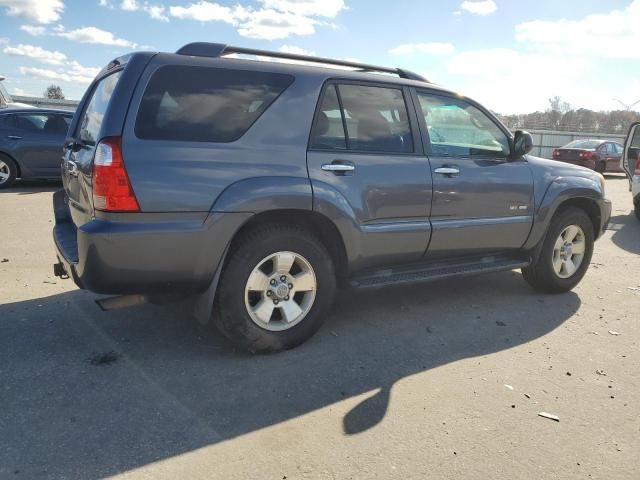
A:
(75, 134)
(427, 140)
(153, 72)
(411, 117)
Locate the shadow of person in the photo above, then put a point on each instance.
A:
(626, 232)
(168, 388)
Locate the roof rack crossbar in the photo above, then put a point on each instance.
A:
(205, 49)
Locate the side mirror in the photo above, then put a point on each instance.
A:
(522, 144)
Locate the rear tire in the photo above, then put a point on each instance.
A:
(8, 172)
(558, 268)
(257, 310)
(636, 210)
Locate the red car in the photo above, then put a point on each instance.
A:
(599, 155)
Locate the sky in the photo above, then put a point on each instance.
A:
(511, 56)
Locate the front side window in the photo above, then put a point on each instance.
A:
(457, 128)
(202, 104)
(93, 115)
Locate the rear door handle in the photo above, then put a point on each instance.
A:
(338, 167)
(14, 137)
(447, 171)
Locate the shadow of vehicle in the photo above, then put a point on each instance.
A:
(27, 187)
(90, 394)
(626, 234)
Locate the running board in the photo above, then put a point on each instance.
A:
(436, 271)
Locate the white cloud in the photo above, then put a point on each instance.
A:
(323, 8)
(273, 25)
(432, 48)
(72, 73)
(479, 7)
(94, 35)
(500, 79)
(36, 53)
(295, 50)
(276, 19)
(34, 30)
(38, 11)
(156, 12)
(612, 35)
(129, 5)
(204, 11)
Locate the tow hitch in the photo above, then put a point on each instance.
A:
(59, 271)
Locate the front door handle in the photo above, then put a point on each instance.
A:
(338, 168)
(447, 171)
(14, 137)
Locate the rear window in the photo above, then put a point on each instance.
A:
(583, 144)
(202, 104)
(91, 120)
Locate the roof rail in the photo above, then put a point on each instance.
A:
(205, 49)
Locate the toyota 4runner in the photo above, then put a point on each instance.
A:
(259, 186)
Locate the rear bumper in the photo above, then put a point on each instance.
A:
(142, 253)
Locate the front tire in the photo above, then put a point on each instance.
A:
(8, 172)
(565, 255)
(276, 287)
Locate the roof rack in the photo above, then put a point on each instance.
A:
(206, 49)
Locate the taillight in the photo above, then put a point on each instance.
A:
(585, 154)
(556, 154)
(112, 190)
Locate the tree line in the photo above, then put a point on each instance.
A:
(560, 115)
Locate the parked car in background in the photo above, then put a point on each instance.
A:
(630, 163)
(599, 155)
(263, 187)
(6, 101)
(31, 141)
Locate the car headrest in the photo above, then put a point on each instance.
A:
(322, 125)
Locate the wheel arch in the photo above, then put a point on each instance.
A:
(16, 163)
(312, 221)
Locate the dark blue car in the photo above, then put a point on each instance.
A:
(31, 142)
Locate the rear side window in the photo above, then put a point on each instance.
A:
(375, 119)
(46, 124)
(202, 104)
(93, 114)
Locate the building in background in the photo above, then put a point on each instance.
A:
(7, 100)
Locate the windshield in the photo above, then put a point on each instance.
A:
(583, 144)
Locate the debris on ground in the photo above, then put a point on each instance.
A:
(500, 324)
(527, 395)
(508, 386)
(634, 289)
(593, 332)
(550, 416)
(612, 332)
(4, 260)
(601, 372)
(104, 358)
(568, 374)
(49, 281)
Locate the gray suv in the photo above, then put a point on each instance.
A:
(260, 187)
